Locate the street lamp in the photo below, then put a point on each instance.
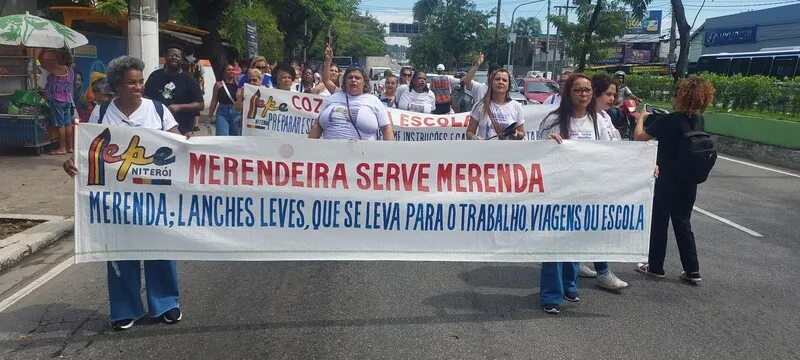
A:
(512, 24)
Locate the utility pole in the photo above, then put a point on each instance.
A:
(555, 48)
(547, 41)
(143, 33)
(673, 43)
(497, 34)
(566, 8)
(305, 40)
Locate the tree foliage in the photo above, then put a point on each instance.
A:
(270, 39)
(456, 28)
(424, 8)
(359, 35)
(528, 27)
(608, 25)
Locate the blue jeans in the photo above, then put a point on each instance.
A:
(227, 121)
(125, 281)
(601, 267)
(60, 113)
(556, 280)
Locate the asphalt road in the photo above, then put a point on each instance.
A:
(746, 307)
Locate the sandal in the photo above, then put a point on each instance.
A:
(56, 152)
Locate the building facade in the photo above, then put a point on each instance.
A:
(752, 31)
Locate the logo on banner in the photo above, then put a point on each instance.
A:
(145, 169)
(257, 104)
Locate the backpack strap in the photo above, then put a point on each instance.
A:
(159, 110)
(103, 109)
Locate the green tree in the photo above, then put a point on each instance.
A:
(424, 8)
(270, 39)
(291, 16)
(455, 29)
(359, 35)
(593, 20)
(529, 27)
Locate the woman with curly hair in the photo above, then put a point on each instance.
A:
(674, 199)
(129, 108)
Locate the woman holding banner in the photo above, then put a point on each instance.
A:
(254, 77)
(417, 97)
(129, 108)
(353, 114)
(575, 119)
(283, 76)
(496, 111)
(605, 91)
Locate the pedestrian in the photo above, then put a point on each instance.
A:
(418, 97)
(389, 95)
(222, 101)
(283, 76)
(330, 73)
(354, 113)
(129, 108)
(58, 92)
(674, 199)
(260, 63)
(496, 111)
(307, 83)
(574, 119)
(556, 97)
(255, 78)
(175, 88)
(604, 93)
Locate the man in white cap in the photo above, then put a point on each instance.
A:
(442, 87)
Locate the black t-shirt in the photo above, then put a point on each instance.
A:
(667, 130)
(170, 89)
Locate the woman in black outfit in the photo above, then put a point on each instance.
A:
(674, 199)
(222, 101)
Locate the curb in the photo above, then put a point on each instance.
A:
(767, 154)
(21, 245)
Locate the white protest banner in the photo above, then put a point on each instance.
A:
(143, 194)
(276, 113)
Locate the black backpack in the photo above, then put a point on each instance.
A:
(697, 152)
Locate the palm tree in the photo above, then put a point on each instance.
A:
(528, 27)
(638, 6)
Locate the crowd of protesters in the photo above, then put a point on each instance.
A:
(169, 99)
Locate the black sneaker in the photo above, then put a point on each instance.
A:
(123, 324)
(551, 309)
(196, 128)
(692, 277)
(572, 297)
(172, 316)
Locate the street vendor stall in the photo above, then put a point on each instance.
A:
(24, 115)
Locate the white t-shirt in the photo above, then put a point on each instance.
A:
(145, 117)
(411, 100)
(553, 99)
(478, 91)
(579, 128)
(505, 115)
(609, 126)
(367, 112)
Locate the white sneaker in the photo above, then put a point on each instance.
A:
(610, 281)
(585, 271)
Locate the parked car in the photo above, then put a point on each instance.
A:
(463, 101)
(536, 90)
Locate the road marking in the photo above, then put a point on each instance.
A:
(758, 166)
(726, 221)
(58, 269)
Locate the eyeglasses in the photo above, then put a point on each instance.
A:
(582, 91)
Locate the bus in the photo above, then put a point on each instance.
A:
(776, 62)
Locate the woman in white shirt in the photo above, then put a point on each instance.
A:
(417, 97)
(128, 108)
(283, 76)
(331, 80)
(496, 111)
(353, 114)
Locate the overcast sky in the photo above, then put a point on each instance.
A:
(400, 10)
